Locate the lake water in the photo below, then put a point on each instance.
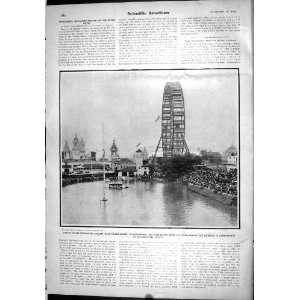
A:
(142, 204)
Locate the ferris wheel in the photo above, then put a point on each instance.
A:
(172, 139)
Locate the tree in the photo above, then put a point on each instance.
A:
(178, 166)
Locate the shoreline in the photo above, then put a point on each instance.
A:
(228, 200)
(73, 179)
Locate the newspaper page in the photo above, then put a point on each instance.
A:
(149, 150)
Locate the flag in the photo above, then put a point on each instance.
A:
(158, 118)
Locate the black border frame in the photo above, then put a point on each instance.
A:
(86, 297)
(72, 2)
(152, 227)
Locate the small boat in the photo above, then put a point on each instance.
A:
(117, 185)
(104, 199)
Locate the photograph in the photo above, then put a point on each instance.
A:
(150, 148)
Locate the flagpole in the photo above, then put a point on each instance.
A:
(103, 160)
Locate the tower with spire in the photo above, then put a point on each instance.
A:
(140, 155)
(78, 149)
(115, 158)
(75, 148)
(82, 148)
(114, 151)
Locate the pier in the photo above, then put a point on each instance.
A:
(84, 177)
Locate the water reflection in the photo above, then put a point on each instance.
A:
(143, 204)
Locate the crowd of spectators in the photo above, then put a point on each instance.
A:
(219, 180)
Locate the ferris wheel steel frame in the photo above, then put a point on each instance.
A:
(172, 139)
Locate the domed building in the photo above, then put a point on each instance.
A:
(78, 149)
(230, 155)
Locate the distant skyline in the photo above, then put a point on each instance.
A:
(129, 102)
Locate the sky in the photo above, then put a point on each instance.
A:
(129, 102)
